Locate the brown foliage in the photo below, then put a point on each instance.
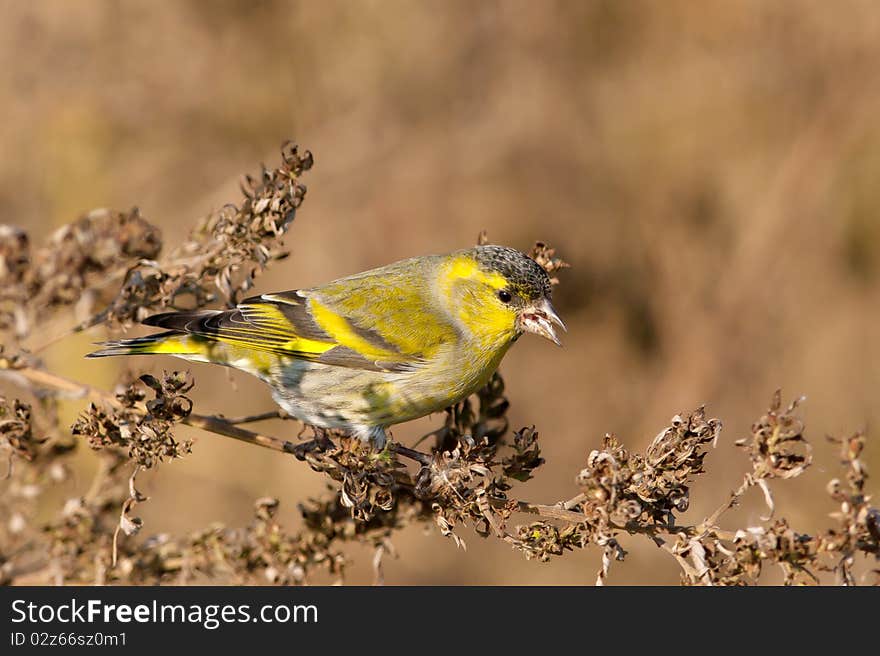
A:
(471, 477)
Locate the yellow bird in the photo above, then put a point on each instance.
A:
(374, 349)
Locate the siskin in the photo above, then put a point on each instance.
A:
(374, 349)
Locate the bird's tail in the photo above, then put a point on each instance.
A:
(170, 342)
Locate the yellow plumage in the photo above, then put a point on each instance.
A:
(376, 348)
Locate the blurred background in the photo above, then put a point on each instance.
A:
(710, 170)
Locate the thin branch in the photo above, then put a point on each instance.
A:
(31, 377)
(712, 521)
(492, 519)
(558, 511)
(412, 454)
(228, 429)
(263, 416)
(551, 512)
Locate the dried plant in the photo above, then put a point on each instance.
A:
(111, 269)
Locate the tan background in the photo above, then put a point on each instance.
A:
(709, 169)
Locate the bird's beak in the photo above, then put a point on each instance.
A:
(539, 319)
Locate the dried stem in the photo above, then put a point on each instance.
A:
(263, 416)
(225, 428)
(32, 377)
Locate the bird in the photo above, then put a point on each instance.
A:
(374, 349)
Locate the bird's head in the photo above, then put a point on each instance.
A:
(499, 291)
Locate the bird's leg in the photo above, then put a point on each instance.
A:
(322, 438)
(320, 442)
(373, 435)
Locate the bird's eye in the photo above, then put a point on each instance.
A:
(505, 296)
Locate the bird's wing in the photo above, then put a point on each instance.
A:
(359, 323)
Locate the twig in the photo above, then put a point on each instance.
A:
(30, 377)
(127, 525)
(227, 429)
(551, 512)
(412, 454)
(40, 378)
(492, 519)
(263, 416)
(385, 547)
(9, 465)
(611, 550)
(711, 521)
(560, 512)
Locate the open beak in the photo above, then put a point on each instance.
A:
(539, 319)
